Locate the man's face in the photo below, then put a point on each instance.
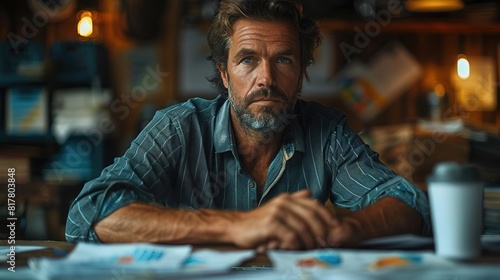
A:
(263, 74)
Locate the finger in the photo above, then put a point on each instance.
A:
(291, 229)
(273, 244)
(261, 249)
(297, 230)
(326, 214)
(318, 218)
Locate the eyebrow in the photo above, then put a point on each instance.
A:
(286, 52)
(244, 52)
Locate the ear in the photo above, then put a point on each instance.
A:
(223, 74)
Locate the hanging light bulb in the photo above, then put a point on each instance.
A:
(439, 90)
(85, 25)
(463, 67)
(434, 5)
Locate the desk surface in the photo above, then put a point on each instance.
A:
(58, 249)
(485, 267)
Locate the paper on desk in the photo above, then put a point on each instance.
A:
(353, 260)
(140, 255)
(103, 261)
(460, 271)
(362, 264)
(136, 261)
(21, 273)
(4, 250)
(211, 260)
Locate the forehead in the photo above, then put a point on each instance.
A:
(248, 32)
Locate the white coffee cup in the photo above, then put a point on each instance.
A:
(456, 202)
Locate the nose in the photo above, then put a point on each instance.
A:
(266, 75)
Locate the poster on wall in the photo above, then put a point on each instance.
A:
(477, 92)
(368, 88)
(27, 111)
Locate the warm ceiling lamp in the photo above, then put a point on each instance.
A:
(85, 25)
(434, 5)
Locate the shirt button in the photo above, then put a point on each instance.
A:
(252, 184)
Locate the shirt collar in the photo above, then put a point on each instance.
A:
(224, 138)
(223, 132)
(293, 138)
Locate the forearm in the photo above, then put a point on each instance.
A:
(139, 222)
(389, 216)
(289, 221)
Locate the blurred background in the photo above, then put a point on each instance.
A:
(418, 80)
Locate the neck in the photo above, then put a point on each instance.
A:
(254, 146)
(256, 151)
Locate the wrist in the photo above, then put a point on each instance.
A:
(220, 227)
(348, 233)
(230, 230)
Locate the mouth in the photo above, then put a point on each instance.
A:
(267, 101)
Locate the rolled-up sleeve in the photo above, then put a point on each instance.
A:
(144, 173)
(360, 179)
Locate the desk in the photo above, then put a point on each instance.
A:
(58, 249)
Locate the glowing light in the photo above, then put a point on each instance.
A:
(439, 90)
(463, 67)
(85, 25)
(434, 5)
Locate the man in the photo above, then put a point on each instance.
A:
(254, 166)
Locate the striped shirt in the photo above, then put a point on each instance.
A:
(186, 157)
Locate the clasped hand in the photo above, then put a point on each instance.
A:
(289, 221)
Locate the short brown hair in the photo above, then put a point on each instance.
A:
(220, 32)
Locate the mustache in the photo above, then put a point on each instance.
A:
(266, 93)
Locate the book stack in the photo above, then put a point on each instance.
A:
(23, 159)
(492, 210)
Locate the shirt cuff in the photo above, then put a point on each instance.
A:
(410, 194)
(121, 196)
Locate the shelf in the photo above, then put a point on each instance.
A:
(425, 26)
(39, 192)
(27, 139)
(415, 26)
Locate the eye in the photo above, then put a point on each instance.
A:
(283, 59)
(246, 60)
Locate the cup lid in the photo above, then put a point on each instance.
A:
(454, 172)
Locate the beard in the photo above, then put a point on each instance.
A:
(269, 118)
